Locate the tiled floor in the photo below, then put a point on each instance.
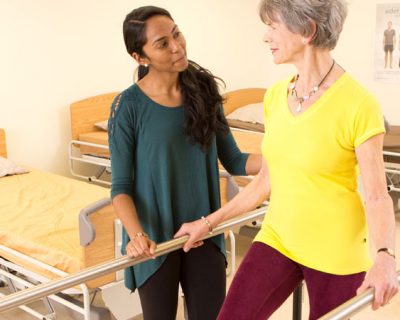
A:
(390, 312)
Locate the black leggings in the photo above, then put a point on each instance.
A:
(201, 273)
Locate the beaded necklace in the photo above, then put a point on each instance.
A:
(300, 100)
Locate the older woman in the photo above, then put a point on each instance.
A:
(321, 125)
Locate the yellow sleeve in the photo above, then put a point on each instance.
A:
(368, 121)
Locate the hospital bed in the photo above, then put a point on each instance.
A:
(52, 226)
(89, 142)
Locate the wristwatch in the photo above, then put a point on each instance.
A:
(389, 251)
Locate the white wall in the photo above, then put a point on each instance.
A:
(357, 49)
(57, 52)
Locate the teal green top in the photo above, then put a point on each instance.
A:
(170, 180)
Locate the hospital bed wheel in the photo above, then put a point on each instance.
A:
(51, 316)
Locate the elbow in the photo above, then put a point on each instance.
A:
(237, 166)
(234, 171)
(121, 189)
(253, 164)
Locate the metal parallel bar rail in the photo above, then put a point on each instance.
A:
(297, 302)
(45, 289)
(353, 306)
(390, 153)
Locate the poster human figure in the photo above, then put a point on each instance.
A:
(387, 48)
(389, 43)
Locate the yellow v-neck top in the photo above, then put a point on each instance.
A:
(316, 216)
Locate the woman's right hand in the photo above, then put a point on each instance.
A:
(141, 245)
(195, 230)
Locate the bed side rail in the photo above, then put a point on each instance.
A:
(87, 232)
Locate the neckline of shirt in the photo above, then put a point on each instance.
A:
(317, 104)
(146, 97)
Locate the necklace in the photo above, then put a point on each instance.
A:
(300, 100)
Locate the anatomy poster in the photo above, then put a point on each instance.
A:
(387, 43)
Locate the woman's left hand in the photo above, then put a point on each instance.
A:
(195, 230)
(382, 276)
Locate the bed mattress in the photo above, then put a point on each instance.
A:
(39, 217)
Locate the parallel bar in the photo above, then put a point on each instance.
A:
(390, 153)
(297, 302)
(353, 306)
(29, 295)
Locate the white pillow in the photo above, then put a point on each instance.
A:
(102, 125)
(253, 113)
(7, 168)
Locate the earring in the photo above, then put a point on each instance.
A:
(145, 65)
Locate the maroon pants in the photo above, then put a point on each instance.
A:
(266, 278)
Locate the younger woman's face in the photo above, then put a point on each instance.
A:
(165, 48)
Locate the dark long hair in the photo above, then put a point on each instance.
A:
(202, 102)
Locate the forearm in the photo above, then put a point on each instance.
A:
(379, 205)
(382, 276)
(126, 212)
(255, 193)
(253, 164)
(381, 222)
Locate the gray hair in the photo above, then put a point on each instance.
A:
(328, 15)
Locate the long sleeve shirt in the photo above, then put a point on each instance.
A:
(170, 180)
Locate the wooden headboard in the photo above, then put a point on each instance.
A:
(85, 113)
(239, 98)
(3, 146)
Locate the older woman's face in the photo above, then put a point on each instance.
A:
(285, 46)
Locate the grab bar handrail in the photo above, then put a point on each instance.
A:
(353, 306)
(45, 289)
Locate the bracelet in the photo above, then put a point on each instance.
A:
(139, 235)
(210, 228)
(389, 251)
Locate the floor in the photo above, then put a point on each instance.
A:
(390, 312)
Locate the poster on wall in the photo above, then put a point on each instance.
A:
(387, 43)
